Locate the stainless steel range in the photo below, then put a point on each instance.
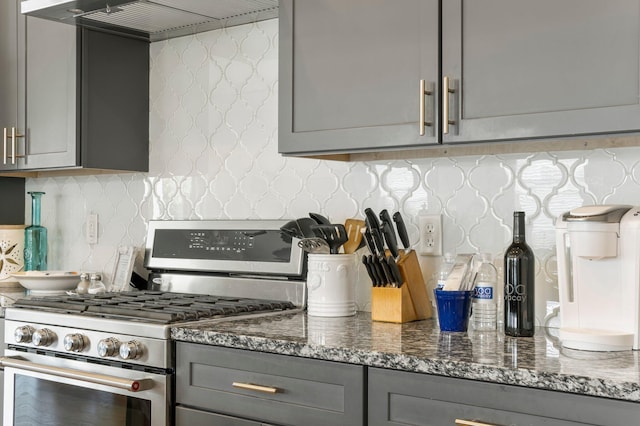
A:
(108, 358)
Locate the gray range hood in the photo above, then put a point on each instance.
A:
(153, 20)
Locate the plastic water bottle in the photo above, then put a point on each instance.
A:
(440, 277)
(484, 302)
(444, 269)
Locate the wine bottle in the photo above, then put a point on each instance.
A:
(519, 283)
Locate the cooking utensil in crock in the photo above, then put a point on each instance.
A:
(354, 235)
(299, 228)
(319, 219)
(291, 229)
(335, 235)
(314, 245)
(305, 224)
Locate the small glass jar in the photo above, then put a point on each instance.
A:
(96, 285)
(83, 285)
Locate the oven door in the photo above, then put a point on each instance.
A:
(41, 389)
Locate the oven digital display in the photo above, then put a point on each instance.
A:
(233, 245)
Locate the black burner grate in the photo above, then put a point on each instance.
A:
(152, 306)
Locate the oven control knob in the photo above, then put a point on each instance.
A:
(23, 334)
(43, 337)
(131, 350)
(108, 347)
(74, 342)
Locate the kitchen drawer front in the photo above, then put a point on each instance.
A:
(309, 392)
(190, 417)
(419, 399)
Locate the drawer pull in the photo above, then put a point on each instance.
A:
(257, 388)
(460, 422)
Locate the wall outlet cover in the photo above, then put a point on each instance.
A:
(430, 234)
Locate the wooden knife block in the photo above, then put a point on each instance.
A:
(408, 303)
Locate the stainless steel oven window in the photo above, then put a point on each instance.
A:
(38, 397)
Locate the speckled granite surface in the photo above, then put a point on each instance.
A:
(420, 347)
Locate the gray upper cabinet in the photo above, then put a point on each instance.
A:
(530, 69)
(11, 75)
(51, 109)
(350, 74)
(516, 70)
(81, 98)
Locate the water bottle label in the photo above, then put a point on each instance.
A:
(483, 293)
(440, 284)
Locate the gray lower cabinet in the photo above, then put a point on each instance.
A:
(513, 69)
(239, 387)
(401, 398)
(190, 416)
(81, 99)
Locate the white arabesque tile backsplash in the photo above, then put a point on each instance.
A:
(213, 143)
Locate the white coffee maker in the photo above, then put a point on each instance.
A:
(598, 253)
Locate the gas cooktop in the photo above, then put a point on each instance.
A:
(157, 307)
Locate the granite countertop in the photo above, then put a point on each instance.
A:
(419, 346)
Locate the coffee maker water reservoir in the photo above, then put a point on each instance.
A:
(598, 253)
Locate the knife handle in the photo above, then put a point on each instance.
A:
(377, 239)
(368, 239)
(376, 268)
(386, 270)
(390, 237)
(395, 271)
(402, 230)
(373, 219)
(367, 266)
(384, 217)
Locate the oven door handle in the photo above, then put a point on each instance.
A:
(100, 379)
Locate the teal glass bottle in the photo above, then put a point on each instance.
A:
(35, 238)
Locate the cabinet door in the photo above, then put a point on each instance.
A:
(402, 398)
(51, 95)
(8, 64)
(350, 74)
(528, 69)
(269, 388)
(11, 78)
(190, 417)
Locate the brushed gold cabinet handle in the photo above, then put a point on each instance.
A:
(14, 136)
(460, 422)
(422, 120)
(13, 145)
(4, 157)
(445, 105)
(257, 388)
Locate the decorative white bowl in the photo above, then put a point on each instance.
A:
(47, 282)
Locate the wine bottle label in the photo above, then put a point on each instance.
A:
(482, 292)
(515, 293)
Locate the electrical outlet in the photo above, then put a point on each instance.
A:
(92, 229)
(430, 234)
